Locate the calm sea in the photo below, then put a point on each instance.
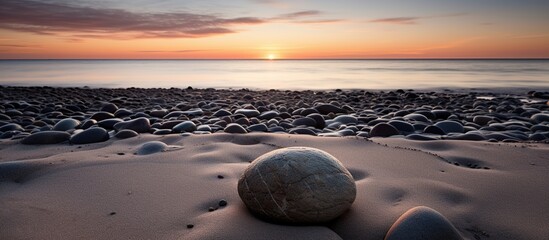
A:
(279, 74)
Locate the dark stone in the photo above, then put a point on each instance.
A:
(383, 130)
(234, 128)
(90, 135)
(46, 137)
(186, 126)
(140, 125)
(422, 223)
(126, 133)
(66, 124)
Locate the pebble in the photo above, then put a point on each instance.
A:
(186, 126)
(423, 223)
(66, 124)
(304, 121)
(312, 192)
(140, 125)
(126, 133)
(449, 126)
(234, 128)
(46, 137)
(90, 135)
(383, 130)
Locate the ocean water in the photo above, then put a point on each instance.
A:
(279, 74)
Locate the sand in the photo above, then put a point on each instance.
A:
(105, 191)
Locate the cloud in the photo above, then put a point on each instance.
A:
(396, 20)
(19, 46)
(299, 14)
(412, 20)
(52, 18)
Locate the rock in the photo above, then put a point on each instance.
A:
(98, 116)
(109, 107)
(11, 127)
(186, 126)
(329, 108)
(260, 127)
(234, 128)
(320, 122)
(416, 117)
(46, 137)
(247, 112)
(109, 123)
(305, 131)
(383, 130)
(90, 135)
(297, 185)
(449, 126)
(126, 133)
(151, 147)
(66, 124)
(422, 223)
(420, 137)
(482, 120)
(402, 126)
(221, 113)
(304, 121)
(346, 119)
(88, 123)
(540, 117)
(140, 125)
(434, 130)
(268, 115)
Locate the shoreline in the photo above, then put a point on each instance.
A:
(417, 115)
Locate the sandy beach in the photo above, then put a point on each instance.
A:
(75, 164)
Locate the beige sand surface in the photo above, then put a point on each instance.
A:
(94, 192)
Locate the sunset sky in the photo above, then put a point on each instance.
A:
(221, 29)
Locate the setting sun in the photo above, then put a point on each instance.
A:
(271, 56)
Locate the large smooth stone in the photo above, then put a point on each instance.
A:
(126, 133)
(90, 135)
(140, 125)
(329, 108)
(422, 223)
(46, 137)
(383, 130)
(297, 185)
(66, 124)
(248, 112)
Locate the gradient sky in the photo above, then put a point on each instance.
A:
(190, 29)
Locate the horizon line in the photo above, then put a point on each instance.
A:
(260, 59)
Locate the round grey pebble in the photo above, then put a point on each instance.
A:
(297, 185)
(422, 223)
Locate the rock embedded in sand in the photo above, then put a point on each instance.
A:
(151, 147)
(90, 135)
(297, 185)
(46, 137)
(540, 117)
(234, 128)
(126, 133)
(422, 223)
